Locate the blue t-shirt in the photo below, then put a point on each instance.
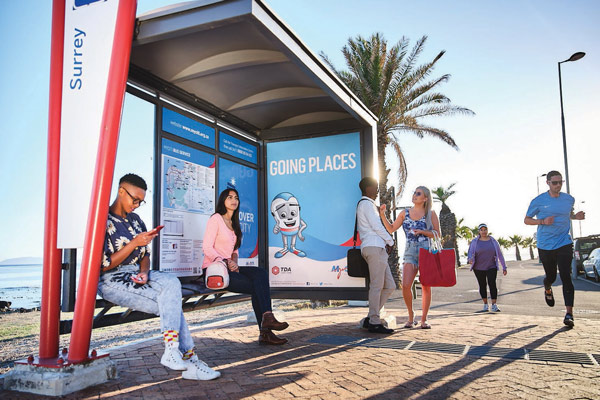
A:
(550, 237)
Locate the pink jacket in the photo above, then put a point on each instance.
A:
(219, 240)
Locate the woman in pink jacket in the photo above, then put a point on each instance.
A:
(222, 239)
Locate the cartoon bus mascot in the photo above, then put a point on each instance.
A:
(286, 211)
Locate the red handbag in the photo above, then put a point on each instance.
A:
(437, 266)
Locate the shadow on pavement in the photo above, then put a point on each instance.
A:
(449, 387)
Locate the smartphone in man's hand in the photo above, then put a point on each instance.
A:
(156, 230)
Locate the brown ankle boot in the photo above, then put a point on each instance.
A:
(269, 322)
(268, 337)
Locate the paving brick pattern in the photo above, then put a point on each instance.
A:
(306, 370)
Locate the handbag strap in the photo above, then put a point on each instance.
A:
(435, 243)
(356, 224)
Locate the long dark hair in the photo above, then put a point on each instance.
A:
(235, 218)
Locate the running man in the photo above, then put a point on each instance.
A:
(553, 211)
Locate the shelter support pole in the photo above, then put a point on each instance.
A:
(51, 278)
(101, 187)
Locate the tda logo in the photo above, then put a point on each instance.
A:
(281, 270)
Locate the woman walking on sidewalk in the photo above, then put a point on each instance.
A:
(222, 239)
(419, 224)
(484, 254)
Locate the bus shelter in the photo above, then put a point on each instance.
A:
(241, 102)
(236, 100)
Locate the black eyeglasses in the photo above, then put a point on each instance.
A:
(136, 201)
(418, 193)
(556, 182)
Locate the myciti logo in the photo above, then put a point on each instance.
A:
(337, 269)
(82, 3)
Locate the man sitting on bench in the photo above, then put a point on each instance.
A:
(126, 279)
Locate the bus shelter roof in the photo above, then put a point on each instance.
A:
(239, 57)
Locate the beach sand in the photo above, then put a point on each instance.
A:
(19, 332)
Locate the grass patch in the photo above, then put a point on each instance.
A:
(14, 331)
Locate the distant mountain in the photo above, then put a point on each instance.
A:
(22, 261)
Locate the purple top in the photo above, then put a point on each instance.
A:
(474, 254)
(485, 256)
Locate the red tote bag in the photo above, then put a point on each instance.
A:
(437, 265)
(437, 268)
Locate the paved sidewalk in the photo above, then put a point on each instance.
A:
(329, 357)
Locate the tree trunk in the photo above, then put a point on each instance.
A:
(517, 253)
(448, 227)
(385, 197)
(456, 252)
(531, 252)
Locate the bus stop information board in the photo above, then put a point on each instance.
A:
(187, 201)
(312, 195)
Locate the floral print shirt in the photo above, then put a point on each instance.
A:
(119, 232)
(409, 225)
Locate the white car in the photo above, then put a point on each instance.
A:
(591, 265)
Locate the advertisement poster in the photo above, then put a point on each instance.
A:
(312, 195)
(245, 181)
(187, 201)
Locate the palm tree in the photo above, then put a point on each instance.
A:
(447, 217)
(531, 243)
(504, 243)
(399, 92)
(462, 232)
(516, 240)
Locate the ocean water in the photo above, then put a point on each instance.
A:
(21, 285)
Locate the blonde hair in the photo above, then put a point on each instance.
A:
(428, 204)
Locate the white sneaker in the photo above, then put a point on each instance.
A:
(199, 371)
(485, 308)
(495, 308)
(172, 357)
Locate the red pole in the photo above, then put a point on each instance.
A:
(105, 166)
(50, 307)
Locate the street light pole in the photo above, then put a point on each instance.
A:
(538, 181)
(576, 56)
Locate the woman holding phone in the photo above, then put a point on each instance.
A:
(222, 239)
(420, 223)
(126, 279)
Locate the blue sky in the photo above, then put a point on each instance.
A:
(503, 60)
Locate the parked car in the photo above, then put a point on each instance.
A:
(591, 265)
(582, 247)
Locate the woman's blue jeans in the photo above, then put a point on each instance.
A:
(161, 296)
(253, 281)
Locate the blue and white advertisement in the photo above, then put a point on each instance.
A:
(187, 201)
(312, 195)
(245, 181)
(238, 148)
(188, 128)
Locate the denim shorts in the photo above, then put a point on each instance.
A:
(411, 253)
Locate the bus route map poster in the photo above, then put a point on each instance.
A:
(187, 201)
